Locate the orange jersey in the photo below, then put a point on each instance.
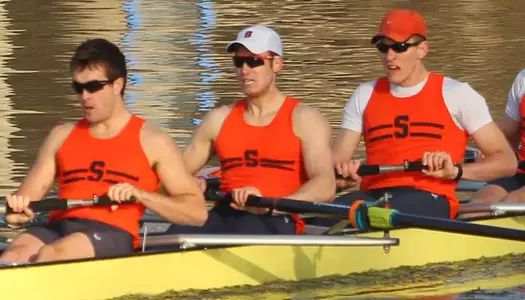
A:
(521, 151)
(398, 129)
(266, 157)
(87, 166)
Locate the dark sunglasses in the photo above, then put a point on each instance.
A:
(397, 47)
(251, 61)
(90, 86)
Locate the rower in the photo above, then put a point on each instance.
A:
(511, 188)
(109, 152)
(413, 114)
(268, 144)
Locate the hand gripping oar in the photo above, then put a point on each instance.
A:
(373, 169)
(49, 204)
(365, 217)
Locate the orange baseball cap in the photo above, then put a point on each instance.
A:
(400, 25)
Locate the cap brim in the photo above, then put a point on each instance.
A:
(400, 38)
(253, 48)
(231, 46)
(376, 38)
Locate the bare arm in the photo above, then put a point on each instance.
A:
(200, 147)
(343, 150)
(315, 134)
(344, 145)
(184, 203)
(499, 160)
(41, 176)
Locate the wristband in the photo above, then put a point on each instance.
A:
(460, 172)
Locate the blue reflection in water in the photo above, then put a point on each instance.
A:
(205, 98)
(207, 20)
(133, 21)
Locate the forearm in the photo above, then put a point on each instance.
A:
(498, 165)
(317, 189)
(184, 209)
(34, 193)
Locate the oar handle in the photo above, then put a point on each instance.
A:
(50, 204)
(42, 205)
(373, 169)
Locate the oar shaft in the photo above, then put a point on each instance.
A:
(287, 205)
(401, 219)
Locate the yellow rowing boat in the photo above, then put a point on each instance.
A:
(208, 262)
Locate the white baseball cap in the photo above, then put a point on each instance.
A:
(258, 39)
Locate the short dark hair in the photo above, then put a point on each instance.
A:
(99, 51)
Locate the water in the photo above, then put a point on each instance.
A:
(178, 68)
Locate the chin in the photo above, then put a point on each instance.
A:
(92, 118)
(252, 92)
(395, 79)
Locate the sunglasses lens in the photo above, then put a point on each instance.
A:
(91, 86)
(383, 48)
(238, 61)
(252, 62)
(76, 87)
(397, 47)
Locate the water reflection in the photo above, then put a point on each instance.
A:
(6, 106)
(179, 68)
(206, 97)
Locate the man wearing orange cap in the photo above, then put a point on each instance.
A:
(413, 114)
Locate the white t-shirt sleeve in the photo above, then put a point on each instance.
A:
(355, 107)
(516, 93)
(468, 108)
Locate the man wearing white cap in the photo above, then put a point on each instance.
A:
(268, 144)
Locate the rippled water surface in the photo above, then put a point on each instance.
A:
(179, 68)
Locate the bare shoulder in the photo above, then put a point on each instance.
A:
(63, 129)
(309, 120)
(58, 134)
(303, 110)
(216, 116)
(212, 122)
(155, 137)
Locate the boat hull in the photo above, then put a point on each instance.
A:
(154, 273)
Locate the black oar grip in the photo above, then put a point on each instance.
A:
(105, 201)
(365, 170)
(213, 183)
(212, 194)
(414, 166)
(42, 205)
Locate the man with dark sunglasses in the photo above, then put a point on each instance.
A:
(268, 144)
(413, 114)
(109, 151)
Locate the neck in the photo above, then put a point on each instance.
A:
(418, 75)
(118, 119)
(266, 103)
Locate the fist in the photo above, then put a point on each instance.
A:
(21, 211)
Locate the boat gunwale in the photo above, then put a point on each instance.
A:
(171, 249)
